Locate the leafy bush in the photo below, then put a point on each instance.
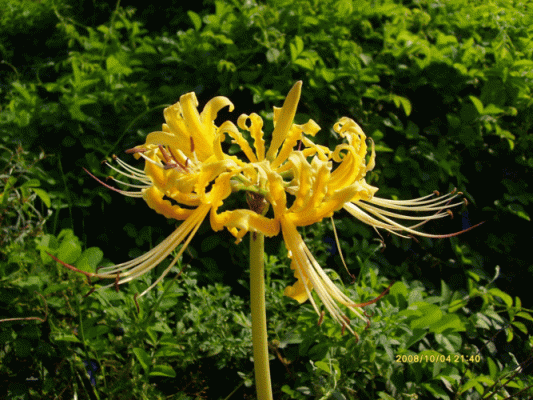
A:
(20, 217)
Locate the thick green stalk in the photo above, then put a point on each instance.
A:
(259, 326)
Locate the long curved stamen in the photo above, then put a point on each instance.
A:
(128, 184)
(122, 192)
(392, 226)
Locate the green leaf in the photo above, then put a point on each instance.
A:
(430, 314)
(521, 327)
(399, 292)
(169, 352)
(344, 8)
(31, 183)
(404, 102)
(385, 396)
(519, 211)
(477, 103)
(502, 295)
(31, 282)
(89, 259)
(305, 63)
(436, 391)
(324, 366)
(143, 357)
(75, 104)
(493, 368)
(523, 63)
(69, 250)
(418, 334)
(491, 109)
(163, 370)
(65, 337)
(195, 19)
(524, 315)
(450, 341)
(43, 195)
(95, 331)
(114, 66)
(296, 48)
(328, 75)
(8, 185)
(318, 351)
(448, 322)
(510, 334)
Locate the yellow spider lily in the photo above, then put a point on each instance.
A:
(187, 176)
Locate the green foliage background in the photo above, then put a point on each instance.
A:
(442, 87)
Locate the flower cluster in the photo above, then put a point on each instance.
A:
(187, 176)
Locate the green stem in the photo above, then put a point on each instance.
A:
(259, 326)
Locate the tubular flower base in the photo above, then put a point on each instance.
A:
(187, 176)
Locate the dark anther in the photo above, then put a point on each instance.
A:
(183, 167)
(321, 318)
(134, 150)
(436, 193)
(165, 154)
(136, 303)
(170, 159)
(450, 213)
(116, 281)
(465, 201)
(414, 238)
(192, 145)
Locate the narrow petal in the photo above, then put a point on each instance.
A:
(285, 119)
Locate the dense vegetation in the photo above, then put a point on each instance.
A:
(442, 87)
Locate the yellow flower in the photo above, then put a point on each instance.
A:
(187, 176)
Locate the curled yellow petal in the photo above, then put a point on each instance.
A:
(229, 128)
(256, 130)
(241, 221)
(155, 200)
(299, 291)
